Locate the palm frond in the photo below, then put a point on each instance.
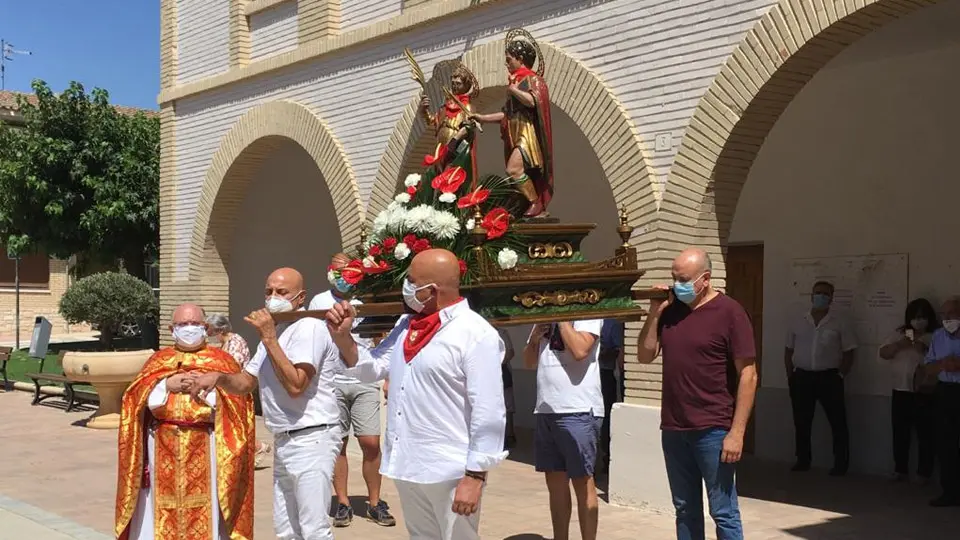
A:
(415, 68)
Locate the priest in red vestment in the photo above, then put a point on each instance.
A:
(185, 468)
(446, 416)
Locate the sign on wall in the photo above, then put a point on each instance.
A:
(872, 292)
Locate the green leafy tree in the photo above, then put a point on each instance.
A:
(109, 299)
(80, 178)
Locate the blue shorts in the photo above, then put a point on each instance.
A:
(567, 443)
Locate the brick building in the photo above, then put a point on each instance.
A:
(42, 280)
(287, 123)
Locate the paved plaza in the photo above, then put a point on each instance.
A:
(57, 482)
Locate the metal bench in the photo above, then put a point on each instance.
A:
(5, 357)
(71, 396)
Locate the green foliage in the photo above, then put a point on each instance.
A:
(108, 299)
(80, 178)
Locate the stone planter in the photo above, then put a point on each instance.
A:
(110, 373)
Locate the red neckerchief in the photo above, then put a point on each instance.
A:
(520, 74)
(450, 108)
(421, 330)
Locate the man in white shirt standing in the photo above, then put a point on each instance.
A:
(294, 365)
(445, 415)
(569, 415)
(819, 354)
(360, 412)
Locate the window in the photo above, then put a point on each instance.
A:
(34, 271)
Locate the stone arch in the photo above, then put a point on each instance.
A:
(773, 62)
(258, 133)
(574, 89)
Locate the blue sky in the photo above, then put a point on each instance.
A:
(111, 44)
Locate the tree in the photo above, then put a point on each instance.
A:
(109, 299)
(80, 178)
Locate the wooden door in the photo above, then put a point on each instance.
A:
(745, 285)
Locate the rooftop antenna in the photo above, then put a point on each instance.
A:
(7, 51)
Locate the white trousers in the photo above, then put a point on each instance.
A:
(303, 483)
(428, 512)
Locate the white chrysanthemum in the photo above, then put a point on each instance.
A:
(402, 198)
(401, 252)
(444, 225)
(470, 224)
(331, 277)
(368, 262)
(411, 180)
(507, 258)
(380, 222)
(448, 198)
(419, 219)
(396, 216)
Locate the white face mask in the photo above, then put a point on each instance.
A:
(951, 325)
(278, 304)
(410, 295)
(919, 325)
(189, 336)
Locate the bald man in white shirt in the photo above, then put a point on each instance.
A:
(446, 415)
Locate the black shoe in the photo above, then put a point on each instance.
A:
(343, 516)
(380, 514)
(944, 501)
(838, 471)
(800, 467)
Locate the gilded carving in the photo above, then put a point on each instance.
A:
(534, 299)
(550, 250)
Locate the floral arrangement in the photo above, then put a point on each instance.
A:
(436, 209)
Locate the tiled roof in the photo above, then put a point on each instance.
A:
(8, 101)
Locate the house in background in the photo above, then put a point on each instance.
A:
(43, 280)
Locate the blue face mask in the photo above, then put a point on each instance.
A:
(686, 291)
(821, 301)
(341, 285)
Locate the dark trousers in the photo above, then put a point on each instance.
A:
(826, 387)
(608, 387)
(909, 412)
(948, 437)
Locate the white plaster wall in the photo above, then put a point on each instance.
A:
(658, 57)
(286, 219)
(203, 38)
(274, 31)
(357, 13)
(866, 157)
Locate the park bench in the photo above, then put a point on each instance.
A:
(71, 396)
(5, 357)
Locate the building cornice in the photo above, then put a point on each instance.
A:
(406, 21)
(256, 6)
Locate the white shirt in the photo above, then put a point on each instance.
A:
(904, 363)
(818, 347)
(326, 300)
(446, 413)
(306, 341)
(566, 385)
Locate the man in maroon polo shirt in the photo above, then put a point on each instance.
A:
(709, 383)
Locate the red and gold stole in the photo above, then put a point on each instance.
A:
(181, 478)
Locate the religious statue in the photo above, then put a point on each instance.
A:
(525, 123)
(452, 125)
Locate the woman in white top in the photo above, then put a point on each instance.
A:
(912, 401)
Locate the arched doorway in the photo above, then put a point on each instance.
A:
(822, 140)
(279, 191)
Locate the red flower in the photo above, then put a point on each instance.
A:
(389, 243)
(420, 245)
(450, 180)
(473, 199)
(409, 240)
(352, 273)
(430, 159)
(412, 190)
(380, 268)
(374, 251)
(463, 266)
(496, 222)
